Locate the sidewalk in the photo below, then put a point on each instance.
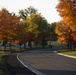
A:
(15, 67)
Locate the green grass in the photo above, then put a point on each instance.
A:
(72, 53)
(3, 68)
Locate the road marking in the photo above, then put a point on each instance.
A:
(28, 65)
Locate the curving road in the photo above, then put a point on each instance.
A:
(15, 67)
(46, 62)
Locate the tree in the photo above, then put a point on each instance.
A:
(67, 10)
(27, 12)
(37, 25)
(29, 38)
(52, 36)
(36, 40)
(20, 37)
(65, 34)
(8, 25)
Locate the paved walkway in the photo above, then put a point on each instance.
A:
(15, 67)
(46, 62)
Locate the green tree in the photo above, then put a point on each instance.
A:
(52, 36)
(27, 12)
(38, 26)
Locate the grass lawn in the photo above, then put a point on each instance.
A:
(3, 69)
(72, 53)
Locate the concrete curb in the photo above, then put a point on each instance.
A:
(28, 65)
(66, 55)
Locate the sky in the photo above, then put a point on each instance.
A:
(45, 7)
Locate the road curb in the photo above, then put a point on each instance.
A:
(65, 55)
(28, 65)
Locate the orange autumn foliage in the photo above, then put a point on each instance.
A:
(8, 25)
(64, 33)
(67, 10)
(15, 42)
(62, 40)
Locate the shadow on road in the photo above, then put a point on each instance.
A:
(16, 68)
(58, 72)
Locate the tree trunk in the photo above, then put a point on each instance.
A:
(70, 46)
(74, 46)
(10, 47)
(20, 47)
(24, 45)
(4, 47)
(29, 44)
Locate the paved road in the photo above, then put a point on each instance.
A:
(49, 63)
(15, 67)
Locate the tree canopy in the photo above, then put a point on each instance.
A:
(28, 26)
(67, 10)
(8, 25)
(66, 29)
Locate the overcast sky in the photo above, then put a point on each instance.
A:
(45, 7)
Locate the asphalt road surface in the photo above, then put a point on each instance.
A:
(49, 63)
(15, 67)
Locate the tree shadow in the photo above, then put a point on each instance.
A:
(58, 72)
(16, 68)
